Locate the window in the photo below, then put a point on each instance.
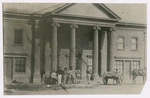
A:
(120, 43)
(18, 37)
(119, 65)
(19, 64)
(133, 43)
(135, 65)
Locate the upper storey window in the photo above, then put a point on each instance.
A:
(18, 37)
(120, 43)
(134, 43)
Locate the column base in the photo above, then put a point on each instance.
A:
(37, 78)
(47, 75)
(102, 74)
(96, 78)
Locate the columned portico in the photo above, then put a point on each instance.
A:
(95, 53)
(54, 46)
(70, 40)
(73, 47)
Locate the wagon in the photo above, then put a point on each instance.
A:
(116, 76)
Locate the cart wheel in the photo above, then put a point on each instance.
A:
(105, 81)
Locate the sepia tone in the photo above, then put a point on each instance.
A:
(74, 48)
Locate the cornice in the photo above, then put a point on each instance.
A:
(19, 15)
(84, 17)
(119, 57)
(15, 54)
(129, 28)
(82, 22)
(17, 20)
(127, 24)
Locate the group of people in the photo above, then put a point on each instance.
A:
(63, 76)
(66, 76)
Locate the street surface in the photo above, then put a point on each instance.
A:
(81, 89)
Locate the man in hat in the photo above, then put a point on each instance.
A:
(60, 73)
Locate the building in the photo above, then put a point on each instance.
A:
(76, 35)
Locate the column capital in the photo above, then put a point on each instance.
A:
(54, 24)
(73, 26)
(96, 28)
(112, 29)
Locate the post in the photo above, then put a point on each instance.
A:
(72, 47)
(32, 48)
(54, 46)
(110, 49)
(103, 53)
(95, 53)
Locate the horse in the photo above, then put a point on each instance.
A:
(138, 72)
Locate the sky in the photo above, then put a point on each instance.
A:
(132, 13)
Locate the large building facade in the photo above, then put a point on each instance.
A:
(80, 36)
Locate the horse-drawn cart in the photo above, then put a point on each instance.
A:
(116, 76)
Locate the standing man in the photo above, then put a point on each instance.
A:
(65, 75)
(60, 73)
(70, 76)
(78, 75)
(88, 73)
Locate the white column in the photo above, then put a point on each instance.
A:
(37, 76)
(47, 59)
(104, 53)
(72, 47)
(95, 53)
(54, 46)
(111, 49)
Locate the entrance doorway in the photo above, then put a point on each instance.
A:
(8, 69)
(89, 65)
(89, 62)
(127, 69)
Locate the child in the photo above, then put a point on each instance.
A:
(65, 75)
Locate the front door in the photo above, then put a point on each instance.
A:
(127, 70)
(8, 72)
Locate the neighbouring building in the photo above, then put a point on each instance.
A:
(76, 35)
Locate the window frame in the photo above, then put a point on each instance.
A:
(16, 42)
(20, 67)
(135, 65)
(118, 66)
(121, 43)
(136, 44)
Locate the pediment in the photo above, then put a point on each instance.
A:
(87, 10)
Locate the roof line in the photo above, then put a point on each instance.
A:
(101, 4)
(110, 11)
(46, 8)
(61, 7)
